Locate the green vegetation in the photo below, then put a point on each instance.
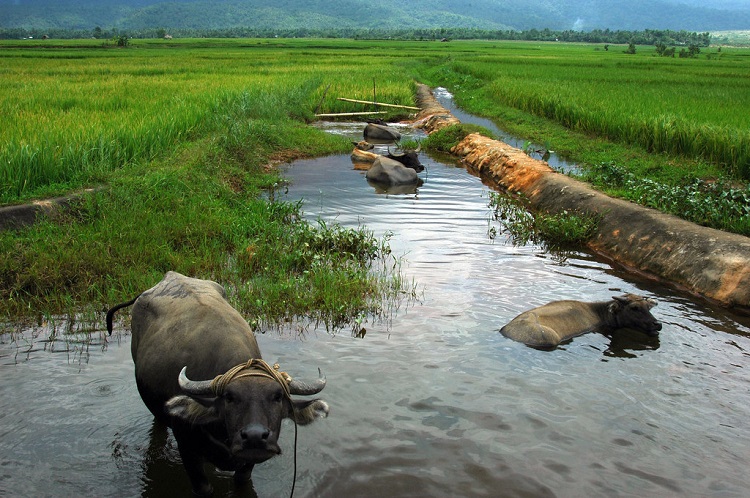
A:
(181, 132)
(662, 105)
(556, 232)
(447, 138)
(711, 203)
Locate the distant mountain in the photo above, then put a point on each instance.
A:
(582, 15)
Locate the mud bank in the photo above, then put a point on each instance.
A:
(699, 260)
(18, 216)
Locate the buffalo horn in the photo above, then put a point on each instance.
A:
(194, 387)
(394, 155)
(306, 389)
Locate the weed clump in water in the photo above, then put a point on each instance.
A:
(555, 231)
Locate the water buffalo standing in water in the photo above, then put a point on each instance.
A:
(184, 328)
(549, 325)
(385, 171)
(410, 159)
(381, 133)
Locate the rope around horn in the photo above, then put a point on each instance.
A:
(255, 367)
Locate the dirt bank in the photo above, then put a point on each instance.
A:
(700, 260)
(25, 214)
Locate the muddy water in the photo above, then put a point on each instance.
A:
(434, 402)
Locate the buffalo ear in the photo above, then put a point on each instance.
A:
(307, 411)
(191, 410)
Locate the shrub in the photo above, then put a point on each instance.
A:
(447, 138)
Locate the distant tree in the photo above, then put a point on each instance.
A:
(630, 49)
(606, 47)
(97, 32)
(121, 40)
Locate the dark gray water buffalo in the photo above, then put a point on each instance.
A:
(410, 159)
(232, 415)
(385, 171)
(549, 325)
(381, 133)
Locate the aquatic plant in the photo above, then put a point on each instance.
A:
(555, 231)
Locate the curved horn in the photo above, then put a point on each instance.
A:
(419, 148)
(306, 389)
(194, 387)
(393, 154)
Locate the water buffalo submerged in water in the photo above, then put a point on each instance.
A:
(184, 327)
(381, 133)
(410, 159)
(386, 171)
(549, 325)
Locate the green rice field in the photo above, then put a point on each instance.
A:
(75, 111)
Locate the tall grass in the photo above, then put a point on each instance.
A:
(697, 108)
(74, 114)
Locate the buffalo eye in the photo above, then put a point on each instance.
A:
(229, 397)
(277, 397)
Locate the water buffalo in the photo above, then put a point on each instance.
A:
(385, 171)
(361, 154)
(549, 325)
(231, 416)
(363, 145)
(410, 159)
(381, 133)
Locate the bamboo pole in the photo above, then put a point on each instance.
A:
(330, 115)
(379, 103)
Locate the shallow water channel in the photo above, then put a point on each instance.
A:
(433, 401)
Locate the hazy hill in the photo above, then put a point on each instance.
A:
(690, 15)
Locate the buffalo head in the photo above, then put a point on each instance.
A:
(363, 145)
(634, 312)
(242, 410)
(410, 158)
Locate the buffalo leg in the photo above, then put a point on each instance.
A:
(193, 463)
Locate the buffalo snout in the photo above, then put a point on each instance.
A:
(653, 329)
(254, 434)
(256, 442)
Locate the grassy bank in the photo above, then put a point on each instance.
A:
(180, 132)
(182, 138)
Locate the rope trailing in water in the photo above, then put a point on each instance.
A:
(255, 367)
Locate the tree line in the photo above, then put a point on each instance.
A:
(646, 37)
